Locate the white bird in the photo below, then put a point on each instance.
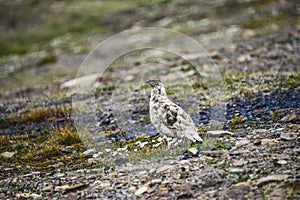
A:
(168, 118)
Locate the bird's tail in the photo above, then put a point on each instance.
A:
(193, 136)
(197, 137)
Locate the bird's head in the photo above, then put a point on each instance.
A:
(153, 81)
(158, 87)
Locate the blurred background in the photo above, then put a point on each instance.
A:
(43, 43)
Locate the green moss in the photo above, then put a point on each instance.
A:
(48, 57)
(200, 85)
(40, 148)
(236, 121)
(40, 114)
(105, 89)
(106, 164)
(213, 144)
(65, 136)
(220, 145)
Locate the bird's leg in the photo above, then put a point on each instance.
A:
(184, 143)
(172, 142)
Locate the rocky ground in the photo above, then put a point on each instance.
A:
(262, 164)
(253, 154)
(258, 157)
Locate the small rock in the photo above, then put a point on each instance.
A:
(36, 196)
(157, 144)
(23, 196)
(239, 163)
(236, 152)
(8, 154)
(29, 196)
(47, 189)
(241, 184)
(240, 134)
(257, 142)
(273, 55)
(268, 142)
(141, 190)
(286, 137)
(289, 47)
(120, 160)
(185, 186)
(242, 143)
(142, 144)
(105, 184)
(288, 117)
(89, 152)
(156, 181)
(235, 170)
(282, 162)
(243, 58)
(59, 175)
(69, 187)
(295, 127)
(91, 161)
(165, 168)
(271, 178)
(218, 133)
(162, 188)
(214, 153)
(193, 150)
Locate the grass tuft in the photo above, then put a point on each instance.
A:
(65, 136)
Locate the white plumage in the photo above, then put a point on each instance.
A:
(167, 117)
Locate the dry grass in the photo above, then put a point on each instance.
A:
(64, 136)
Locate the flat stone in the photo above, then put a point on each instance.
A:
(155, 181)
(242, 143)
(219, 133)
(239, 163)
(83, 81)
(193, 150)
(91, 161)
(271, 178)
(141, 190)
(68, 187)
(162, 188)
(295, 127)
(241, 184)
(36, 196)
(29, 196)
(105, 184)
(120, 160)
(243, 58)
(214, 153)
(236, 152)
(257, 142)
(282, 162)
(285, 137)
(8, 154)
(185, 186)
(165, 168)
(288, 117)
(47, 189)
(89, 152)
(240, 134)
(235, 170)
(268, 142)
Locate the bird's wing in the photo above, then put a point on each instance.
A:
(175, 117)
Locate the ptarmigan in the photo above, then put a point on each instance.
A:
(167, 117)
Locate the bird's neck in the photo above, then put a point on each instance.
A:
(158, 91)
